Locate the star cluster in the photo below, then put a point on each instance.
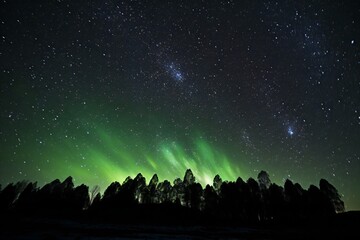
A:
(105, 89)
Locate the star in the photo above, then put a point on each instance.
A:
(290, 131)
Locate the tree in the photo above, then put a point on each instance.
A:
(255, 203)
(264, 180)
(276, 201)
(178, 192)
(193, 195)
(154, 180)
(26, 200)
(318, 204)
(211, 199)
(217, 183)
(10, 194)
(112, 190)
(81, 199)
(126, 195)
(332, 193)
(189, 178)
(140, 185)
(294, 198)
(152, 198)
(230, 200)
(163, 191)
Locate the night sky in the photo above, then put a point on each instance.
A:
(101, 90)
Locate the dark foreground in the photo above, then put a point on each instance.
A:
(184, 210)
(343, 226)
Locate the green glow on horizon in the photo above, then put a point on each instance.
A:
(114, 157)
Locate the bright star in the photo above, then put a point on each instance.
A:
(290, 131)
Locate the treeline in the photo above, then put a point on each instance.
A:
(249, 202)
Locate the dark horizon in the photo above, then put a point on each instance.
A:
(252, 202)
(102, 189)
(256, 209)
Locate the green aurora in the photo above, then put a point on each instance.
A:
(97, 147)
(115, 159)
(95, 153)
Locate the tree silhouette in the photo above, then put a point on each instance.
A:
(189, 177)
(26, 200)
(211, 199)
(163, 191)
(331, 192)
(255, 204)
(112, 190)
(264, 180)
(248, 202)
(294, 198)
(276, 202)
(140, 185)
(318, 204)
(178, 192)
(217, 183)
(80, 198)
(193, 195)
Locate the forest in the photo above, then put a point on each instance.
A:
(247, 202)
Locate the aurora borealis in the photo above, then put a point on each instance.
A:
(102, 90)
(106, 154)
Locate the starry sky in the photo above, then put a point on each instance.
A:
(102, 89)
